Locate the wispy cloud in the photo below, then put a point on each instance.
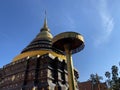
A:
(107, 22)
(69, 22)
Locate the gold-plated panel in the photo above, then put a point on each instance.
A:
(45, 34)
(13, 78)
(38, 52)
(68, 35)
(71, 77)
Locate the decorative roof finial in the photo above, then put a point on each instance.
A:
(45, 20)
(45, 26)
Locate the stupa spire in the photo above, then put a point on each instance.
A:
(45, 26)
(43, 35)
(45, 21)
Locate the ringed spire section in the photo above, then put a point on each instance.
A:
(42, 40)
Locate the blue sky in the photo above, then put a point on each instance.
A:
(97, 20)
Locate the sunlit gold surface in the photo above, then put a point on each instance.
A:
(75, 40)
(45, 32)
(44, 35)
(39, 52)
(68, 35)
(13, 78)
(71, 77)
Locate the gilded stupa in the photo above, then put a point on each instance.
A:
(42, 44)
(39, 66)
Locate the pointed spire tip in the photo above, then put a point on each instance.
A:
(45, 20)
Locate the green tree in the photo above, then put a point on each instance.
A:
(108, 81)
(113, 79)
(95, 79)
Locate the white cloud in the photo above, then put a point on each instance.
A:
(70, 24)
(107, 22)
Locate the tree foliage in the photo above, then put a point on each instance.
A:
(113, 79)
(95, 79)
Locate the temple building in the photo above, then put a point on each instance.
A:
(88, 85)
(39, 66)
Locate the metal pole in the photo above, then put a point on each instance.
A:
(70, 67)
